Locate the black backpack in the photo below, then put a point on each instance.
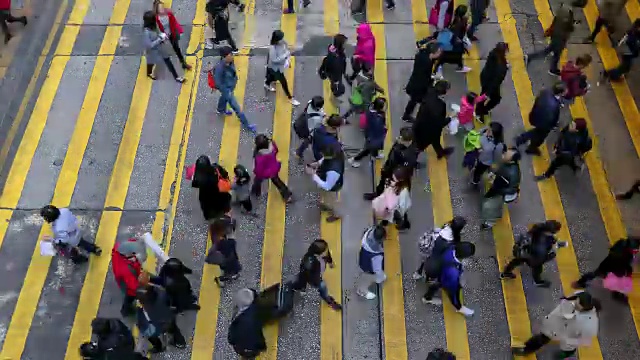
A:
(522, 245)
(301, 124)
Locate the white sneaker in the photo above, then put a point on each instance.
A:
(353, 163)
(269, 88)
(466, 311)
(416, 276)
(380, 156)
(294, 102)
(208, 44)
(368, 295)
(434, 301)
(465, 69)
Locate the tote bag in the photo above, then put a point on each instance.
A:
(386, 203)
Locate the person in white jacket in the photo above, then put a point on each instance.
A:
(573, 323)
(371, 261)
(66, 234)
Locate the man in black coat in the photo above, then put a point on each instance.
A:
(544, 117)
(420, 81)
(432, 118)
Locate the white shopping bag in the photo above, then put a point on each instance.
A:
(454, 124)
(157, 250)
(47, 249)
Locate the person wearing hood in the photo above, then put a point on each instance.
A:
(6, 17)
(365, 53)
(544, 117)
(573, 323)
(374, 133)
(126, 263)
(155, 318)
(334, 65)
(311, 118)
(504, 189)
(371, 260)
(66, 234)
(172, 278)
(562, 26)
(432, 119)
(610, 11)
(278, 60)
(213, 201)
(492, 76)
(492, 147)
(326, 135)
(363, 93)
(632, 42)
(267, 167)
(572, 144)
(112, 340)
(420, 80)
(245, 331)
(312, 266)
(449, 276)
(403, 153)
(436, 242)
(572, 75)
(617, 263)
(535, 248)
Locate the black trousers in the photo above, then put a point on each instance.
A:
(128, 305)
(368, 150)
(414, 100)
(535, 136)
(622, 69)
(5, 18)
(555, 47)
(600, 22)
(536, 342)
(175, 44)
(536, 270)
(635, 189)
(561, 160)
(478, 170)
(273, 75)
(435, 143)
(483, 108)
(247, 205)
(167, 61)
(256, 188)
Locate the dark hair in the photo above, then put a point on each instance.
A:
(335, 121)
(457, 224)
(461, 11)
(378, 104)
(500, 51)
(241, 172)
(403, 178)
(584, 60)
(147, 294)
(276, 36)
(559, 88)
(149, 20)
(50, 213)
(516, 154)
(497, 130)
(471, 97)
(261, 142)
(406, 134)
(221, 227)
(442, 87)
(332, 150)
(338, 42)
(586, 301)
(551, 226)
(317, 247)
(205, 174)
(379, 232)
(317, 102)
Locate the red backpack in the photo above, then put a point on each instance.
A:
(211, 80)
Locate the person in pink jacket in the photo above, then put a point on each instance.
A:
(266, 166)
(365, 54)
(467, 108)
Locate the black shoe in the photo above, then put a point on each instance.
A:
(519, 351)
(7, 38)
(542, 284)
(540, 177)
(507, 275)
(23, 20)
(408, 119)
(97, 251)
(554, 72)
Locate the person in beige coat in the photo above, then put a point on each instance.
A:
(573, 323)
(610, 11)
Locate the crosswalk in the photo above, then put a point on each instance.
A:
(112, 145)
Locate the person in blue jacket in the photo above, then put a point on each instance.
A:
(450, 275)
(374, 133)
(325, 135)
(371, 260)
(544, 117)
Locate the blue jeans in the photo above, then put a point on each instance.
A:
(227, 97)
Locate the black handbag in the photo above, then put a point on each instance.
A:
(214, 257)
(338, 89)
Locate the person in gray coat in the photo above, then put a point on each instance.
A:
(278, 60)
(154, 47)
(66, 233)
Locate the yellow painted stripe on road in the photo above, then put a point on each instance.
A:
(549, 194)
(22, 161)
(394, 325)
(205, 330)
(110, 220)
(15, 125)
(331, 320)
(273, 243)
(39, 266)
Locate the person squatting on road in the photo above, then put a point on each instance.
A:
(66, 235)
(169, 25)
(535, 248)
(154, 42)
(328, 174)
(312, 266)
(371, 260)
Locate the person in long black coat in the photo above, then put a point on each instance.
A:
(245, 332)
(432, 118)
(491, 78)
(213, 202)
(172, 278)
(420, 81)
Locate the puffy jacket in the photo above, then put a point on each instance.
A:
(5, 4)
(225, 76)
(467, 109)
(451, 271)
(572, 77)
(335, 64)
(266, 163)
(573, 143)
(322, 138)
(376, 129)
(126, 270)
(366, 45)
(545, 112)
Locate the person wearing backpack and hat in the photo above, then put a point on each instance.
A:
(535, 248)
(305, 124)
(436, 241)
(212, 182)
(371, 260)
(573, 143)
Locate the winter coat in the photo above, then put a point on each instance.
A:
(116, 343)
(371, 255)
(420, 80)
(562, 26)
(245, 331)
(5, 4)
(225, 76)
(570, 327)
(213, 202)
(155, 51)
(175, 29)
(65, 228)
(573, 143)
(490, 152)
(278, 56)
(545, 112)
(493, 74)
(126, 269)
(312, 267)
(159, 312)
(227, 247)
(376, 129)
(335, 64)
(619, 260)
(266, 163)
(172, 278)
(467, 109)
(322, 138)
(431, 119)
(574, 79)
(451, 271)
(365, 45)
(610, 10)
(401, 155)
(506, 182)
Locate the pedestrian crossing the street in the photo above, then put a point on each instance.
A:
(112, 145)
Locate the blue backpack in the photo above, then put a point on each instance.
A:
(444, 40)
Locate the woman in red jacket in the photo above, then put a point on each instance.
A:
(6, 17)
(168, 24)
(126, 271)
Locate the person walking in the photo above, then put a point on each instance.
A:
(574, 322)
(394, 203)
(223, 250)
(168, 24)
(326, 135)
(505, 188)
(371, 260)
(634, 189)
(226, 79)
(365, 53)
(573, 143)
(267, 167)
(334, 66)
(312, 266)
(435, 242)
(632, 42)
(127, 272)
(432, 119)
(562, 26)
(328, 174)
(306, 123)
(154, 318)
(172, 277)
(6, 18)
(155, 51)
(610, 11)
(374, 132)
(544, 117)
(66, 234)
(214, 201)
(573, 77)
(111, 339)
(492, 147)
(278, 60)
(491, 78)
(218, 20)
(420, 80)
(478, 8)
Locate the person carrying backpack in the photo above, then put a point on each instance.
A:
(573, 143)
(371, 260)
(312, 267)
(304, 125)
(535, 248)
(363, 93)
(573, 77)
(435, 242)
